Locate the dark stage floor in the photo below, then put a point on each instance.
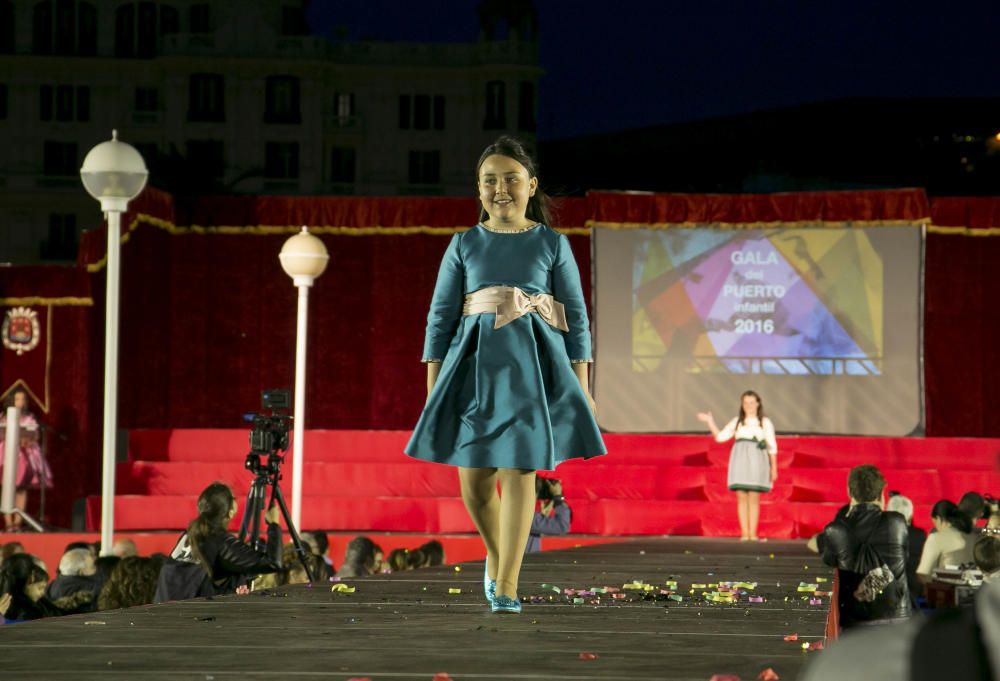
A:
(408, 626)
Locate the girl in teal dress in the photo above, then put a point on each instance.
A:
(507, 351)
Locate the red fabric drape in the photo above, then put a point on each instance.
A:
(208, 319)
(72, 420)
(895, 204)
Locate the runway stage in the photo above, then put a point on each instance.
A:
(411, 626)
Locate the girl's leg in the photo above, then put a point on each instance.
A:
(21, 501)
(742, 510)
(753, 504)
(517, 508)
(479, 492)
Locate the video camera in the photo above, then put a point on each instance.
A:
(269, 433)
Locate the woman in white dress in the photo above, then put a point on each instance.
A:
(753, 461)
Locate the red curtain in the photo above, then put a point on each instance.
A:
(208, 316)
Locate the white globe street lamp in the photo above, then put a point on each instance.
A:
(114, 174)
(303, 257)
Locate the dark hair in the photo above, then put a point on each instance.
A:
(18, 572)
(539, 205)
(434, 553)
(359, 559)
(865, 483)
(322, 541)
(399, 560)
(9, 402)
(951, 514)
(973, 505)
(986, 554)
(760, 408)
(132, 582)
(11, 548)
(213, 514)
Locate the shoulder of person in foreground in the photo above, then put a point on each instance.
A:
(876, 653)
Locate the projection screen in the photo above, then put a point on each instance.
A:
(824, 323)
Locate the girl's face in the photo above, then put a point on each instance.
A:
(35, 590)
(504, 189)
(750, 405)
(20, 400)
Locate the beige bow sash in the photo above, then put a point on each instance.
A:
(510, 303)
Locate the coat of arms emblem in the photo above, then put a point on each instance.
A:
(21, 331)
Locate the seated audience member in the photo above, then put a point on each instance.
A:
(433, 553)
(93, 548)
(77, 572)
(133, 582)
(868, 547)
(24, 579)
(292, 571)
(208, 560)
(105, 565)
(362, 558)
(974, 505)
(124, 548)
(553, 516)
(399, 560)
(9, 549)
(986, 554)
(319, 544)
(951, 545)
(916, 537)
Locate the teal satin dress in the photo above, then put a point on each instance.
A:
(507, 397)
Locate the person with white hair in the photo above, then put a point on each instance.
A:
(125, 548)
(76, 573)
(916, 537)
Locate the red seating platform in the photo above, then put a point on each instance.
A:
(648, 484)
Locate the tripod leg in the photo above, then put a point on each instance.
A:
(299, 549)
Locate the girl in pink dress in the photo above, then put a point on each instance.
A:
(32, 468)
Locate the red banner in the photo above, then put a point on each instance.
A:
(26, 334)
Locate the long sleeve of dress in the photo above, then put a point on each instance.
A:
(446, 304)
(769, 437)
(727, 432)
(567, 290)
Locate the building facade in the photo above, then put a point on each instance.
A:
(235, 96)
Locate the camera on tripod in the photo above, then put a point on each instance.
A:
(269, 433)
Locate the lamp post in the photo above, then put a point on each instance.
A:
(303, 257)
(113, 173)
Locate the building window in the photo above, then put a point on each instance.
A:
(6, 27)
(147, 99)
(3, 101)
(404, 112)
(425, 167)
(282, 100)
(438, 112)
(293, 21)
(344, 104)
(139, 26)
(342, 164)
(281, 160)
(64, 103)
(201, 18)
(206, 98)
(207, 157)
(496, 106)
(421, 112)
(63, 238)
(60, 159)
(526, 106)
(64, 27)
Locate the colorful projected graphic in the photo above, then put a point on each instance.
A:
(790, 301)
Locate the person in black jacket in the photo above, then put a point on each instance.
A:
(208, 560)
(868, 546)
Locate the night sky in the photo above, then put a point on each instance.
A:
(662, 62)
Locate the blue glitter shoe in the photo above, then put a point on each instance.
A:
(506, 605)
(489, 586)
